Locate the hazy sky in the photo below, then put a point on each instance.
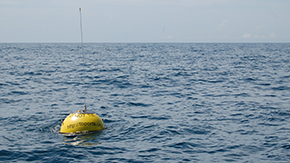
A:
(145, 20)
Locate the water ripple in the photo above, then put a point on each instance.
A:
(160, 102)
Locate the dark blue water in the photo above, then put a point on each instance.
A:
(160, 102)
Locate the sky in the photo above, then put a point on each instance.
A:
(49, 21)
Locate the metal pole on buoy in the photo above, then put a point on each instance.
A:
(81, 28)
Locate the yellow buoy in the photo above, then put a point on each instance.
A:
(81, 122)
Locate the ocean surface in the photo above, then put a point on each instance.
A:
(161, 102)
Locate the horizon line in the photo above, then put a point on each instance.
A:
(193, 42)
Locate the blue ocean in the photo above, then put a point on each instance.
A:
(161, 102)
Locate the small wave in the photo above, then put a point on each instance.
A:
(281, 88)
(138, 104)
(19, 92)
(242, 95)
(141, 116)
(150, 150)
(184, 145)
(162, 117)
(8, 155)
(52, 128)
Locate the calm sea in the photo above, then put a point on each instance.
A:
(160, 102)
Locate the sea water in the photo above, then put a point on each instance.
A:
(161, 102)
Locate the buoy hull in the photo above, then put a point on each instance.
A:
(81, 122)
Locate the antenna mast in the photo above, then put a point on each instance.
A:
(81, 28)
